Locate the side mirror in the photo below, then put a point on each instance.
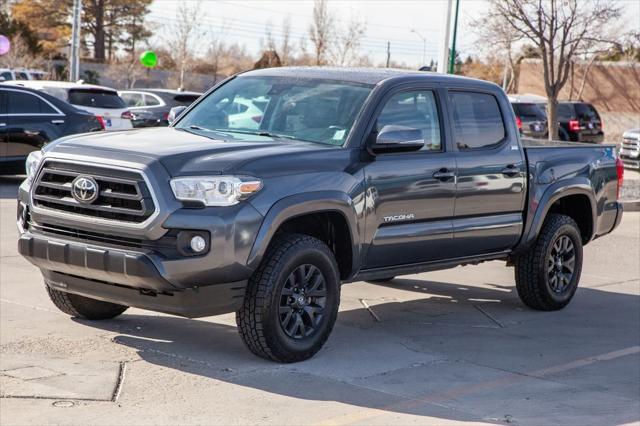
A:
(175, 113)
(393, 138)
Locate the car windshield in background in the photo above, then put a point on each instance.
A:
(95, 98)
(535, 111)
(313, 110)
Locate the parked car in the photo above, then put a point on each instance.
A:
(630, 149)
(29, 119)
(579, 122)
(101, 101)
(151, 107)
(7, 74)
(531, 116)
(352, 175)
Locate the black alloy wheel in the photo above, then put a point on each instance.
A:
(302, 302)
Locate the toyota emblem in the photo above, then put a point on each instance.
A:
(84, 189)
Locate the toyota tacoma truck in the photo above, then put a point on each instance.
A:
(344, 175)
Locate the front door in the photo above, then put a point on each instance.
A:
(410, 196)
(491, 175)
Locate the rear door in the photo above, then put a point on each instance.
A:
(32, 122)
(491, 173)
(410, 195)
(4, 119)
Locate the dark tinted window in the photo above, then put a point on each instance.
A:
(3, 103)
(21, 75)
(6, 75)
(416, 110)
(586, 112)
(26, 103)
(533, 111)
(185, 100)
(565, 112)
(95, 98)
(476, 119)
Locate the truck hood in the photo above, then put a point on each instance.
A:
(182, 152)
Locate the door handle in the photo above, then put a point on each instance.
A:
(57, 121)
(510, 170)
(444, 174)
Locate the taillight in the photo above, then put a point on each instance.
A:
(101, 121)
(127, 115)
(257, 118)
(519, 122)
(620, 172)
(574, 125)
(165, 116)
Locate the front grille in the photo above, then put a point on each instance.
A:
(631, 144)
(123, 194)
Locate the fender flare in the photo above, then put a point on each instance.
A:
(299, 205)
(556, 191)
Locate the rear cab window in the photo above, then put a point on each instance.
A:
(477, 120)
(96, 98)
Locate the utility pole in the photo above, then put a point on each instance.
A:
(74, 57)
(452, 60)
(444, 52)
(388, 53)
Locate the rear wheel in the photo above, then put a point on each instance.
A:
(84, 307)
(547, 275)
(291, 301)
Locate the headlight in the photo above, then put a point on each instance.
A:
(31, 166)
(215, 190)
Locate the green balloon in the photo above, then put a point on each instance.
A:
(148, 59)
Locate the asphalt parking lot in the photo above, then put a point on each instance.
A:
(439, 348)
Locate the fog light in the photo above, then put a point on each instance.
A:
(198, 244)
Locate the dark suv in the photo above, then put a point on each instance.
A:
(531, 119)
(579, 122)
(31, 118)
(151, 107)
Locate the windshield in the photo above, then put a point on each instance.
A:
(314, 110)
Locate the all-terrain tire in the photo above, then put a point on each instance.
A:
(532, 269)
(260, 319)
(84, 307)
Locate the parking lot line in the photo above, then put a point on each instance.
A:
(440, 398)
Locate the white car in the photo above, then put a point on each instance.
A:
(7, 74)
(101, 101)
(244, 114)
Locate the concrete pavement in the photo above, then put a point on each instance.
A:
(447, 347)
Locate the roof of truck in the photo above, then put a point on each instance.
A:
(359, 75)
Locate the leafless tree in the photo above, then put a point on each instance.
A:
(125, 72)
(347, 42)
(560, 29)
(185, 31)
(285, 44)
(321, 30)
(216, 48)
(19, 56)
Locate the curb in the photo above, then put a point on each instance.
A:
(631, 205)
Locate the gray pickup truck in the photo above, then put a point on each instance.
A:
(279, 185)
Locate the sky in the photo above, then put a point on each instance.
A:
(411, 26)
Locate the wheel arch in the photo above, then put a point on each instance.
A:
(573, 198)
(334, 211)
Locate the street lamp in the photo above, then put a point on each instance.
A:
(424, 45)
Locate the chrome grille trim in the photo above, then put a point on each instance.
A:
(94, 170)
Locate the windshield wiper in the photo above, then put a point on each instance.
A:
(258, 133)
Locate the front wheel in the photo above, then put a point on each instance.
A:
(547, 275)
(291, 301)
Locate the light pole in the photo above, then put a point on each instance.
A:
(444, 52)
(424, 45)
(74, 59)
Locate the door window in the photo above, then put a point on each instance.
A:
(477, 120)
(133, 99)
(26, 103)
(150, 100)
(415, 109)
